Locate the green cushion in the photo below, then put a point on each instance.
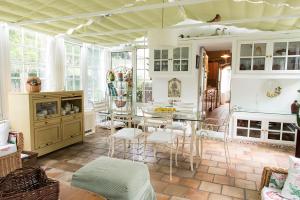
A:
(115, 179)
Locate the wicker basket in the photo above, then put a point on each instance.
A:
(28, 184)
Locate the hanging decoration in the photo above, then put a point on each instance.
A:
(273, 88)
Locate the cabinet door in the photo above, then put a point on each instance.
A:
(45, 108)
(181, 59)
(253, 56)
(280, 132)
(293, 62)
(46, 135)
(249, 128)
(161, 60)
(71, 129)
(279, 56)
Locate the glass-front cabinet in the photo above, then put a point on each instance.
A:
(175, 60)
(269, 56)
(278, 129)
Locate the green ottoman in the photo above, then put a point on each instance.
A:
(115, 179)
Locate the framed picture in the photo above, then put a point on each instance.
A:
(174, 88)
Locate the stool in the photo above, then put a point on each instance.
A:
(115, 179)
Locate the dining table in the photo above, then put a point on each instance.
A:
(190, 116)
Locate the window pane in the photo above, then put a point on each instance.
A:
(72, 66)
(294, 48)
(27, 56)
(246, 50)
(260, 49)
(280, 48)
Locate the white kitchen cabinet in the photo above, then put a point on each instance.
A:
(264, 127)
(168, 61)
(268, 57)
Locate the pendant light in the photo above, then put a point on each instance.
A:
(162, 37)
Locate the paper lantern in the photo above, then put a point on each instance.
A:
(162, 38)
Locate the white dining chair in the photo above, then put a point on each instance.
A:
(213, 128)
(161, 136)
(181, 127)
(127, 134)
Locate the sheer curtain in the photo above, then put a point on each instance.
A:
(55, 64)
(104, 67)
(4, 70)
(83, 71)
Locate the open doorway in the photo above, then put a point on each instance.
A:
(218, 76)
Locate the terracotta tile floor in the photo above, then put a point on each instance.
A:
(212, 180)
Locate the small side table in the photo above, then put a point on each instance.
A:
(30, 160)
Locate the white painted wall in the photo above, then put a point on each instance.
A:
(251, 94)
(188, 81)
(188, 89)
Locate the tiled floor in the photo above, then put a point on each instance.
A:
(212, 180)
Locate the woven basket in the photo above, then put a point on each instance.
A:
(28, 184)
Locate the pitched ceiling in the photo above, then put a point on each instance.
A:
(122, 21)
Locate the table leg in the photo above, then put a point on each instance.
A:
(192, 145)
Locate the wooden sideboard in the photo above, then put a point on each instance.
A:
(48, 120)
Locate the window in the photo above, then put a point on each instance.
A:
(144, 83)
(93, 88)
(72, 71)
(27, 56)
(121, 60)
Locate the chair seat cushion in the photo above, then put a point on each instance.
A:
(269, 193)
(115, 179)
(128, 133)
(107, 124)
(210, 134)
(8, 149)
(177, 126)
(161, 137)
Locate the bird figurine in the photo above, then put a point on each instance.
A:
(216, 19)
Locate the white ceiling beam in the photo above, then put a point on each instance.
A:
(120, 10)
(227, 22)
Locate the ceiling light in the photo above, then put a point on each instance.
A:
(225, 56)
(162, 37)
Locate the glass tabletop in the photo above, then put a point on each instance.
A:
(177, 115)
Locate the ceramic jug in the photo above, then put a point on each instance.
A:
(4, 130)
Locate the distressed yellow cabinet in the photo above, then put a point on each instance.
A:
(48, 120)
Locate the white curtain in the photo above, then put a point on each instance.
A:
(4, 70)
(55, 79)
(104, 67)
(84, 71)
